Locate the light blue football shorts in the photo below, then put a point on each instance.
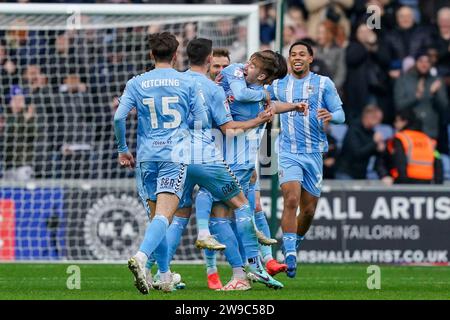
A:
(217, 178)
(142, 192)
(305, 168)
(157, 177)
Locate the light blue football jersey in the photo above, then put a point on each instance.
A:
(241, 151)
(300, 133)
(163, 98)
(204, 148)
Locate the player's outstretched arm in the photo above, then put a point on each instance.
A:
(282, 107)
(233, 128)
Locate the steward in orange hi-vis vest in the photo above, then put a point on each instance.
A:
(419, 152)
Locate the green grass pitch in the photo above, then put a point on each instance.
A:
(114, 282)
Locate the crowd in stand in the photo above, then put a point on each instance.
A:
(59, 89)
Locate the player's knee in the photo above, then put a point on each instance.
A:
(309, 211)
(291, 202)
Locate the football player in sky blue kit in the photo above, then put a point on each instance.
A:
(199, 53)
(213, 168)
(208, 176)
(245, 83)
(163, 98)
(240, 89)
(302, 142)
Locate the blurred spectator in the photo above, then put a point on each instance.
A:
(266, 24)
(74, 128)
(406, 40)
(294, 29)
(319, 10)
(189, 33)
(220, 60)
(384, 13)
(238, 49)
(107, 76)
(360, 143)
(296, 18)
(62, 56)
(288, 37)
(441, 40)
(434, 58)
(318, 65)
(367, 81)
(429, 9)
(24, 46)
(331, 53)
(410, 156)
(425, 94)
(19, 137)
(34, 82)
(8, 73)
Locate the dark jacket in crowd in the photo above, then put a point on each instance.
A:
(357, 148)
(366, 76)
(432, 110)
(403, 43)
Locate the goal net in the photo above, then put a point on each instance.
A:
(62, 194)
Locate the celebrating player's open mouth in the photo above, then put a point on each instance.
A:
(298, 66)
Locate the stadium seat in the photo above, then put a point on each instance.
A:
(446, 166)
(386, 130)
(338, 132)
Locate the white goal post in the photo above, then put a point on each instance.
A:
(251, 12)
(62, 195)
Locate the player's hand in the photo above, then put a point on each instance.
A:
(324, 115)
(302, 107)
(266, 115)
(126, 159)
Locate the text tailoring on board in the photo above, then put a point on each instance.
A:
(395, 208)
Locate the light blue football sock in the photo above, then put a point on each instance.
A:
(299, 240)
(252, 201)
(221, 229)
(174, 233)
(154, 234)
(210, 259)
(161, 255)
(251, 197)
(246, 231)
(240, 244)
(289, 242)
(263, 226)
(203, 205)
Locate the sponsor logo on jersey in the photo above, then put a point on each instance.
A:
(238, 73)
